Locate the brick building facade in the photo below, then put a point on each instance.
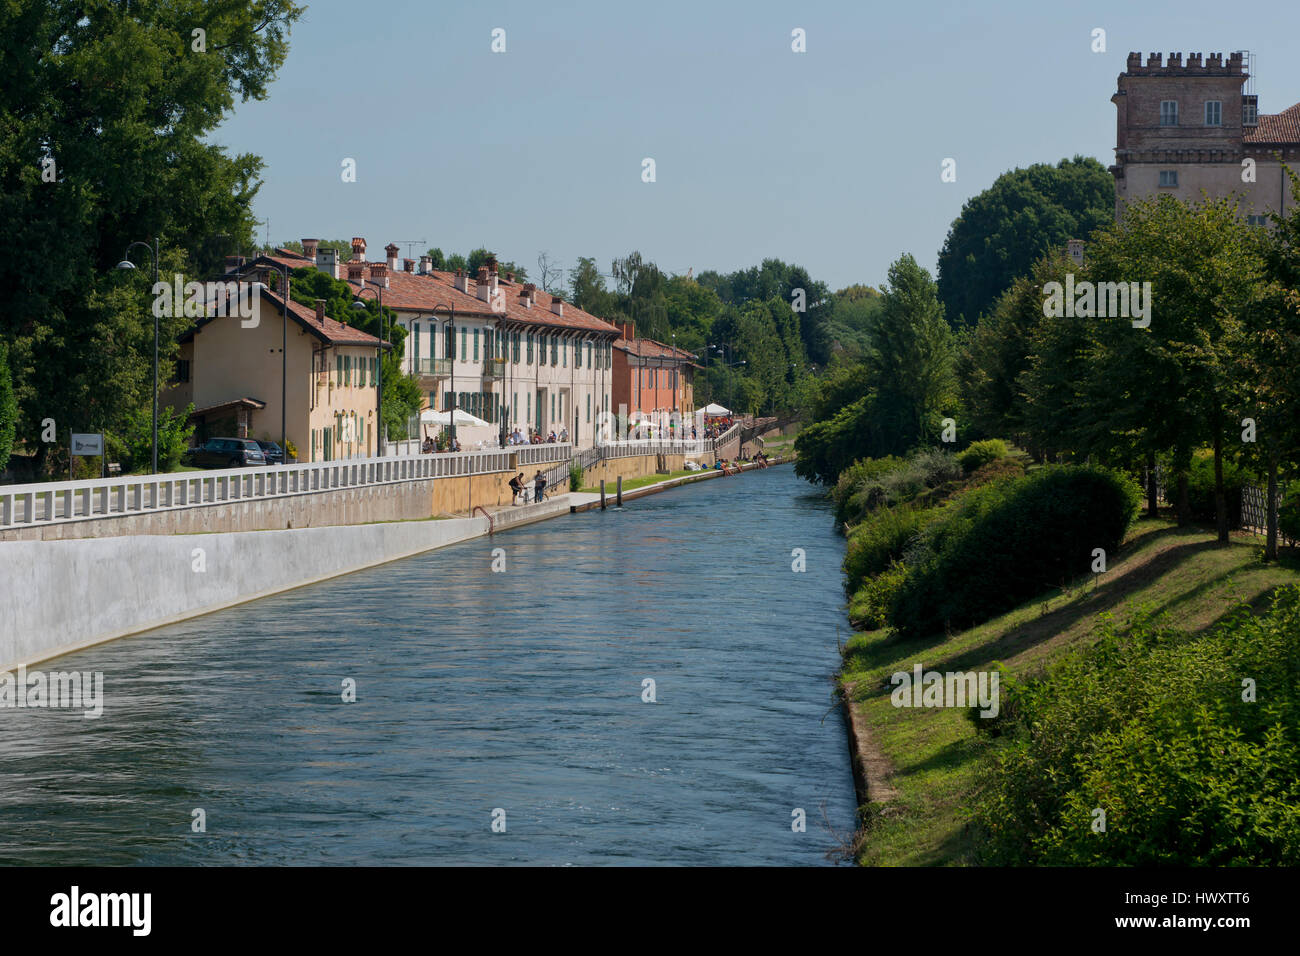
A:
(1187, 128)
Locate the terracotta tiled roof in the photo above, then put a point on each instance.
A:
(412, 292)
(1281, 127)
(649, 348)
(329, 331)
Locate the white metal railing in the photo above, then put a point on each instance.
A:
(56, 502)
(541, 454)
(655, 446)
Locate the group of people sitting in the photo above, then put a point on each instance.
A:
(519, 488)
(535, 437)
(441, 443)
(715, 427)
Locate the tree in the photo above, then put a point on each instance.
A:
(8, 409)
(107, 113)
(1176, 381)
(1004, 230)
(549, 273)
(1270, 384)
(912, 358)
(401, 397)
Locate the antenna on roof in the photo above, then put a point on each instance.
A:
(409, 243)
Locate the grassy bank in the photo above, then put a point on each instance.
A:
(633, 483)
(925, 760)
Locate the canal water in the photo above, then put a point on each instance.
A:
(477, 691)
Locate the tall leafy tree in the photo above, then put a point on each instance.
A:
(105, 113)
(1004, 230)
(912, 357)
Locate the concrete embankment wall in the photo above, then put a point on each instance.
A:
(58, 596)
(400, 501)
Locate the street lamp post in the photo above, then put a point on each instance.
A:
(126, 263)
(381, 428)
(449, 338)
(284, 366)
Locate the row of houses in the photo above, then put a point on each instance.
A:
(486, 344)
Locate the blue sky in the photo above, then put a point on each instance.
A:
(829, 158)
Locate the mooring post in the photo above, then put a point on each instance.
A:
(619, 492)
(602, 494)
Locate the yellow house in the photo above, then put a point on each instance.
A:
(231, 368)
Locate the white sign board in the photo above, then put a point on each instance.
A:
(86, 445)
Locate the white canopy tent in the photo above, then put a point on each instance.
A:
(430, 417)
(713, 409)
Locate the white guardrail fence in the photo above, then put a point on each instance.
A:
(59, 501)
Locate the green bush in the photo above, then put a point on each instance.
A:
(882, 537)
(871, 603)
(174, 433)
(980, 453)
(873, 483)
(8, 409)
(575, 476)
(1150, 726)
(999, 545)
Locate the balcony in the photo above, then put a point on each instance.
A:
(494, 369)
(434, 368)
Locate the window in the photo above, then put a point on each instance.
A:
(374, 371)
(1257, 220)
(529, 360)
(589, 408)
(1213, 113)
(449, 342)
(552, 406)
(476, 345)
(589, 355)
(415, 346)
(347, 370)
(446, 401)
(1168, 112)
(338, 370)
(464, 342)
(514, 347)
(1168, 177)
(183, 370)
(530, 406)
(555, 350)
(1249, 113)
(564, 355)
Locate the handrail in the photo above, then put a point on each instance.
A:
(485, 515)
(58, 502)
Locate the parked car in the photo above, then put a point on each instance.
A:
(227, 453)
(274, 453)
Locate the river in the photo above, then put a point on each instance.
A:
(476, 691)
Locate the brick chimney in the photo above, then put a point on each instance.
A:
(461, 281)
(391, 251)
(309, 247)
(356, 271)
(358, 249)
(524, 299)
(557, 305)
(320, 311)
(426, 265)
(531, 289)
(408, 265)
(627, 328)
(483, 285)
(379, 273)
